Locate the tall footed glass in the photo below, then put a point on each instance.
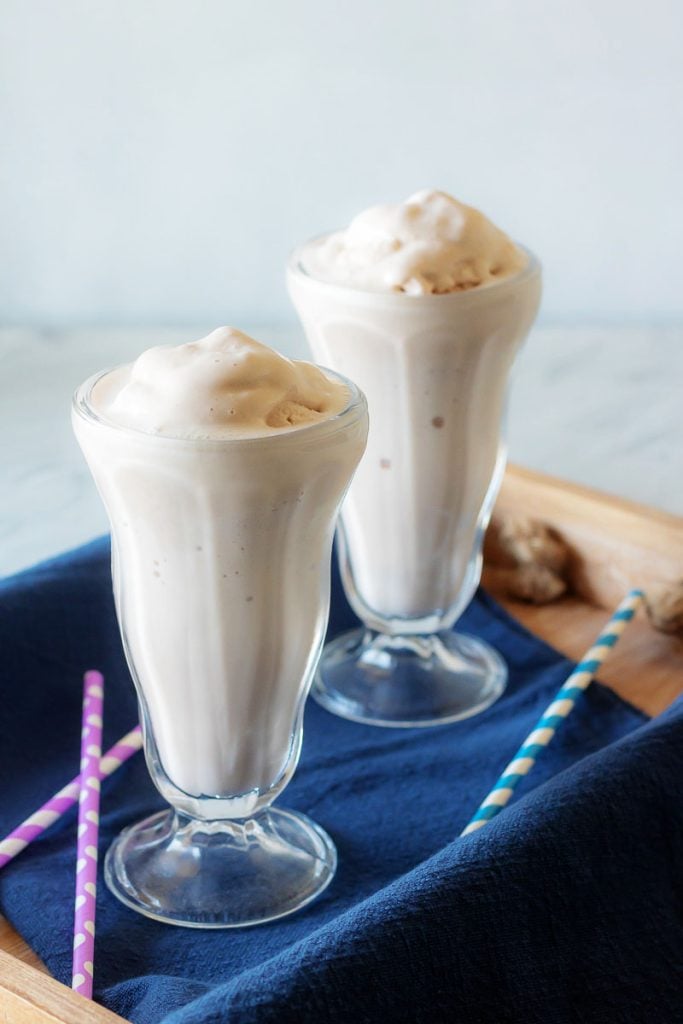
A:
(435, 371)
(220, 564)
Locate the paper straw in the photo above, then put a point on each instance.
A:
(64, 800)
(553, 716)
(88, 832)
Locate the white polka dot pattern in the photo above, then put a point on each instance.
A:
(88, 821)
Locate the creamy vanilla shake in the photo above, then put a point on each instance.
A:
(221, 464)
(424, 304)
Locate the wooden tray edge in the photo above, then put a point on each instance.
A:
(28, 996)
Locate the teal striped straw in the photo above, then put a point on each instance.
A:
(555, 714)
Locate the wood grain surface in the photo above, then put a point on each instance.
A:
(29, 996)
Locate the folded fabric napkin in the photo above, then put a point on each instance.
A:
(565, 908)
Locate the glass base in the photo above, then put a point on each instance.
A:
(408, 681)
(220, 874)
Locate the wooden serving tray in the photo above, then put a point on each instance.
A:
(614, 545)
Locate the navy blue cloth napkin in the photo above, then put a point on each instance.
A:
(567, 907)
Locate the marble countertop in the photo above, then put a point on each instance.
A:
(600, 406)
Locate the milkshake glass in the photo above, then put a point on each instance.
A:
(435, 370)
(220, 565)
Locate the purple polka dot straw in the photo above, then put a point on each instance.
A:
(51, 811)
(88, 828)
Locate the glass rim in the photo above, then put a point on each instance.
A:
(532, 268)
(82, 407)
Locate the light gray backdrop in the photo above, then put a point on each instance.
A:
(160, 157)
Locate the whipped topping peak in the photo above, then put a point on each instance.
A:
(224, 385)
(430, 244)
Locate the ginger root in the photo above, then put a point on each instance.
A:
(664, 606)
(533, 583)
(530, 542)
(532, 559)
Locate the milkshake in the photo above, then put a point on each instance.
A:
(425, 304)
(222, 465)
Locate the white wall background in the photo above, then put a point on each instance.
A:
(160, 157)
